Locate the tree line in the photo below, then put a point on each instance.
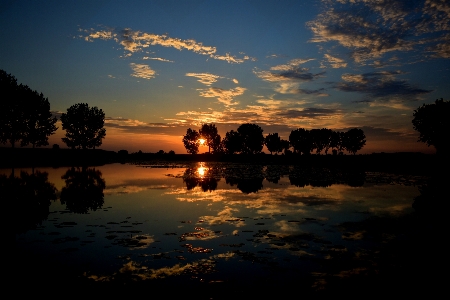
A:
(25, 117)
(249, 139)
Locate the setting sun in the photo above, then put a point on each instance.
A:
(202, 141)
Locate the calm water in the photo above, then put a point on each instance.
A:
(205, 224)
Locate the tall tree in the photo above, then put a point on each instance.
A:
(252, 138)
(433, 124)
(83, 126)
(232, 143)
(209, 133)
(24, 114)
(273, 143)
(354, 140)
(39, 121)
(301, 141)
(191, 141)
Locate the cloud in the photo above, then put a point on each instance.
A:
(157, 58)
(293, 88)
(371, 29)
(379, 84)
(142, 71)
(224, 96)
(289, 77)
(309, 113)
(335, 62)
(205, 78)
(135, 41)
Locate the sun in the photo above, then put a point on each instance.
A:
(202, 141)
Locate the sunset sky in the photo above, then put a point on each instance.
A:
(157, 68)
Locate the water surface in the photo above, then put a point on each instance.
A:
(208, 225)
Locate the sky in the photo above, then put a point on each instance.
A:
(157, 68)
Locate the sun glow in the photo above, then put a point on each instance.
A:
(202, 141)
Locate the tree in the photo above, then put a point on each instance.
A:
(191, 141)
(285, 145)
(232, 143)
(252, 138)
(210, 134)
(273, 143)
(335, 141)
(354, 140)
(39, 121)
(83, 126)
(301, 141)
(24, 114)
(433, 124)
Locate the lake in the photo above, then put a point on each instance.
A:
(217, 228)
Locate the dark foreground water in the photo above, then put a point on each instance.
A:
(220, 230)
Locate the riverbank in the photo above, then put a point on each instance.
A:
(406, 162)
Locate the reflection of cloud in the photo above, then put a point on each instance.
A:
(130, 189)
(142, 71)
(145, 241)
(224, 216)
(135, 41)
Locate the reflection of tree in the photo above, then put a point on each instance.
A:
(433, 198)
(30, 195)
(248, 179)
(323, 177)
(273, 173)
(83, 190)
(204, 177)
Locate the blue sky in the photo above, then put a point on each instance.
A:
(157, 68)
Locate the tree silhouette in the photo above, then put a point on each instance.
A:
(191, 141)
(252, 138)
(210, 134)
(433, 124)
(232, 142)
(83, 126)
(273, 143)
(354, 140)
(301, 141)
(39, 121)
(284, 146)
(24, 114)
(336, 141)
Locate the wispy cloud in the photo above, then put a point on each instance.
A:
(335, 62)
(142, 71)
(205, 78)
(288, 77)
(157, 58)
(371, 29)
(135, 41)
(225, 97)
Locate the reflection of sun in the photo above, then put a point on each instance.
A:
(201, 170)
(202, 141)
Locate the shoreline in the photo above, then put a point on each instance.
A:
(409, 162)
